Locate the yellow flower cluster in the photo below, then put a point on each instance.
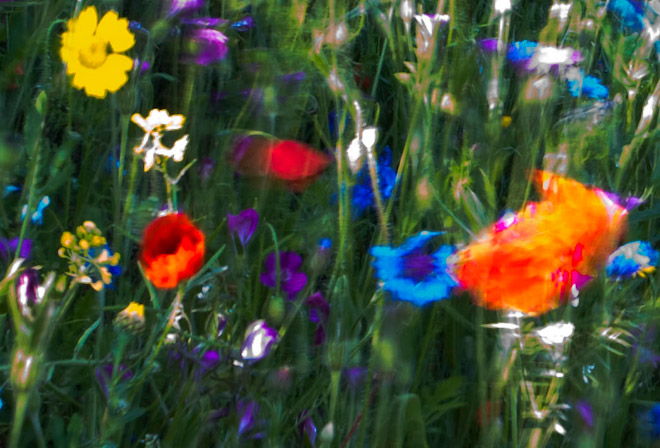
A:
(90, 259)
(92, 51)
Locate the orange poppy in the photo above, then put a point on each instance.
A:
(172, 250)
(533, 259)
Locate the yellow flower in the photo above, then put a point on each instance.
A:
(131, 318)
(90, 50)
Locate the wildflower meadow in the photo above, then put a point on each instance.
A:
(338, 223)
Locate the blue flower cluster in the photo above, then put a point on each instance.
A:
(409, 273)
(521, 51)
(363, 194)
(591, 87)
(630, 13)
(629, 260)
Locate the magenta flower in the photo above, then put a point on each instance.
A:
(207, 46)
(243, 224)
(259, 338)
(291, 280)
(185, 6)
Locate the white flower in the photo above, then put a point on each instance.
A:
(358, 148)
(556, 334)
(426, 25)
(502, 6)
(156, 122)
(545, 57)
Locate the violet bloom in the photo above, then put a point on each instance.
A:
(308, 428)
(243, 224)
(491, 45)
(106, 373)
(354, 377)
(291, 280)
(207, 46)
(8, 247)
(585, 411)
(319, 312)
(247, 414)
(185, 6)
(259, 338)
(206, 167)
(204, 362)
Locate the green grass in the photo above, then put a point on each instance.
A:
(439, 375)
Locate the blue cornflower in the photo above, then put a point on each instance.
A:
(363, 194)
(629, 260)
(654, 421)
(522, 51)
(591, 87)
(410, 273)
(630, 12)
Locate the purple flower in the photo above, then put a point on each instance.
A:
(259, 338)
(319, 312)
(206, 167)
(291, 281)
(143, 66)
(308, 428)
(354, 377)
(247, 414)
(185, 6)
(319, 308)
(586, 412)
(28, 291)
(207, 46)
(491, 45)
(243, 224)
(7, 247)
(208, 361)
(106, 373)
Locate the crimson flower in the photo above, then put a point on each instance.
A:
(172, 250)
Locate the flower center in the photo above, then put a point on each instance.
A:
(95, 54)
(418, 266)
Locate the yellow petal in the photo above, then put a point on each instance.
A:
(112, 74)
(114, 30)
(85, 25)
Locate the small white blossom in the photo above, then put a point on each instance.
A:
(556, 334)
(156, 122)
(359, 147)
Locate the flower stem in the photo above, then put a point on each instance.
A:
(22, 399)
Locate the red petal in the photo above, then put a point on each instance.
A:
(295, 161)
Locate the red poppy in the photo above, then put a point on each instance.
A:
(294, 163)
(172, 250)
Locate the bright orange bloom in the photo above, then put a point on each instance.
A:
(172, 250)
(530, 261)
